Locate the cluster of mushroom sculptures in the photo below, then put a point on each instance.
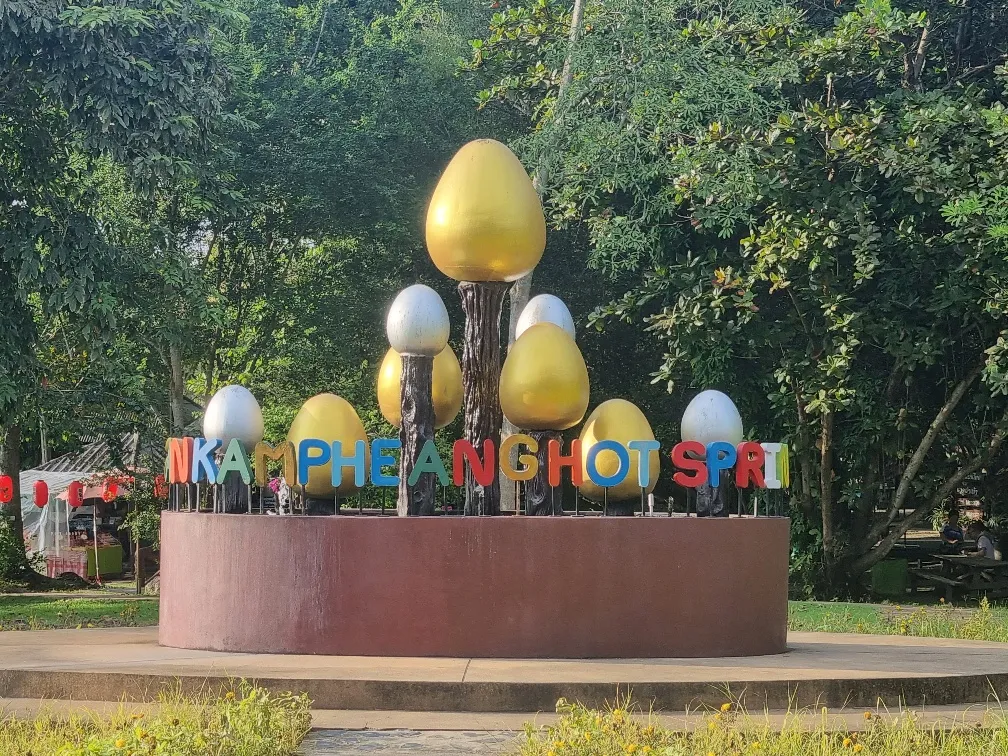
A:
(485, 228)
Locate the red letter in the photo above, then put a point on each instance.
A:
(749, 462)
(179, 459)
(555, 461)
(695, 467)
(482, 472)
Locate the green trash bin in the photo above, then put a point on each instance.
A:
(890, 578)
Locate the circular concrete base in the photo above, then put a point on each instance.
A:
(482, 587)
(862, 671)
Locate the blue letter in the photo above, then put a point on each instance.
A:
(716, 463)
(644, 449)
(306, 461)
(203, 464)
(357, 462)
(623, 457)
(379, 460)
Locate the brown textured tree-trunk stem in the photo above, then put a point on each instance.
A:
(540, 497)
(417, 426)
(481, 367)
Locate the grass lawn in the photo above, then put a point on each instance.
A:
(42, 612)
(984, 622)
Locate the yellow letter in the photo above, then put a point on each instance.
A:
(284, 451)
(531, 463)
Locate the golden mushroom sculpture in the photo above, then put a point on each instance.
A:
(417, 327)
(544, 390)
(485, 228)
(446, 390)
(328, 418)
(620, 421)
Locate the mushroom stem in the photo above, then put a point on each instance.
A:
(416, 428)
(540, 497)
(481, 369)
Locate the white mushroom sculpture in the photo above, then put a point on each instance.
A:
(417, 327)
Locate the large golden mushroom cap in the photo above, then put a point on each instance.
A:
(622, 421)
(544, 381)
(485, 221)
(446, 390)
(329, 418)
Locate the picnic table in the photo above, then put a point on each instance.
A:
(961, 574)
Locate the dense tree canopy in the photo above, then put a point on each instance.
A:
(801, 204)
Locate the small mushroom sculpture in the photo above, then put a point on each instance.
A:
(233, 414)
(709, 417)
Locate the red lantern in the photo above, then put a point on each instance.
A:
(160, 487)
(110, 491)
(41, 493)
(75, 494)
(6, 489)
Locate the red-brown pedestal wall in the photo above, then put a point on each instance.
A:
(507, 587)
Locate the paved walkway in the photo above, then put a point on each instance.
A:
(856, 670)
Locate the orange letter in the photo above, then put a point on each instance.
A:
(749, 462)
(696, 469)
(482, 472)
(531, 463)
(556, 461)
(179, 459)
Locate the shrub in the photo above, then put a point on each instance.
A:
(617, 732)
(243, 721)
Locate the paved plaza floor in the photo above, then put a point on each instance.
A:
(818, 669)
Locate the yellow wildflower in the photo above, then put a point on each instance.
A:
(229, 695)
(120, 743)
(867, 715)
(587, 736)
(551, 753)
(725, 706)
(847, 742)
(858, 747)
(630, 747)
(757, 745)
(711, 726)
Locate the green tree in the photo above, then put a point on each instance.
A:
(133, 85)
(807, 210)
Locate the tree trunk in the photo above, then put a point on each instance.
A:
(481, 367)
(826, 486)
(176, 389)
(880, 550)
(416, 428)
(10, 464)
(540, 497)
(522, 288)
(917, 460)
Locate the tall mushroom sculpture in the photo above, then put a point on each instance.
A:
(544, 391)
(709, 417)
(485, 229)
(417, 327)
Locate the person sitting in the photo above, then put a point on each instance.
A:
(952, 533)
(985, 541)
